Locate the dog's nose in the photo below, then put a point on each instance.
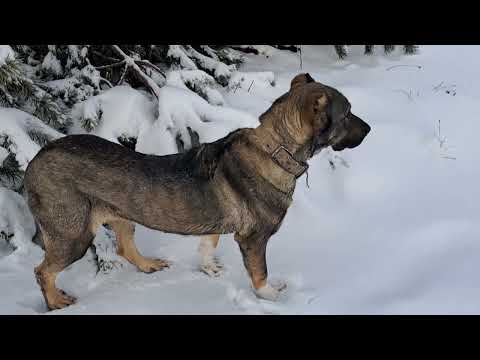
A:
(366, 128)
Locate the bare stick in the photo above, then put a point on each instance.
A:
(438, 86)
(149, 64)
(395, 66)
(130, 63)
(124, 72)
(104, 56)
(408, 94)
(236, 87)
(120, 63)
(107, 82)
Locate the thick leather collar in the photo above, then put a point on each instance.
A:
(284, 158)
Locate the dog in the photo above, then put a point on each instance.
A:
(241, 184)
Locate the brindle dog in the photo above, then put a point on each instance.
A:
(241, 184)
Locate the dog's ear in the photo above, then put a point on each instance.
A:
(301, 79)
(319, 105)
(320, 102)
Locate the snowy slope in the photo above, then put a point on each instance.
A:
(395, 232)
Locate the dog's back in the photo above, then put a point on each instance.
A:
(156, 191)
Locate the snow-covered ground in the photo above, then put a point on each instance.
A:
(393, 229)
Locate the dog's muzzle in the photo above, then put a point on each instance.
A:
(350, 134)
(329, 136)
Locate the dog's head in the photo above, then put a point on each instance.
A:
(324, 116)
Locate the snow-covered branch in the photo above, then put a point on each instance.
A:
(130, 63)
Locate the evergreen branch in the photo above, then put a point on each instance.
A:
(388, 48)
(410, 49)
(10, 172)
(341, 51)
(39, 137)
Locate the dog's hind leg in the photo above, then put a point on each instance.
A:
(208, 263)
(124, 231)
(63, 222)
(46, 274)
(59, 253)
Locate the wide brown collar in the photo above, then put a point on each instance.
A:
(283, 157)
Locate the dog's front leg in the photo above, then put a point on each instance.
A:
(208, 262)
(253, 248)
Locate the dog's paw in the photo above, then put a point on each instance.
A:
(148, 265)
(270, 291)
(58, 299)
(212, 268)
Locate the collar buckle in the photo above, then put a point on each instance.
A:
(284, 158)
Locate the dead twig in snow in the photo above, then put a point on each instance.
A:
(236, 87)
(441, 142)
(395, 66)
(437, 87)
(449, 89)
(408, 94)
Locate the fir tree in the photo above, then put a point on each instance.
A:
(18, 91)
(342, 50)
(11, 175)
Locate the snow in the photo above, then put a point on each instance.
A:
(3, 154)
(218, 68)
(176, 52)
(16, 219)
(196, 79)
(6, 52)
(15, 124)
(394, 232)
(180, 109)
(131, 113)
(125, 111)
(51, 63)
(246, 81)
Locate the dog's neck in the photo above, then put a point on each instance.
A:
(282, 149)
